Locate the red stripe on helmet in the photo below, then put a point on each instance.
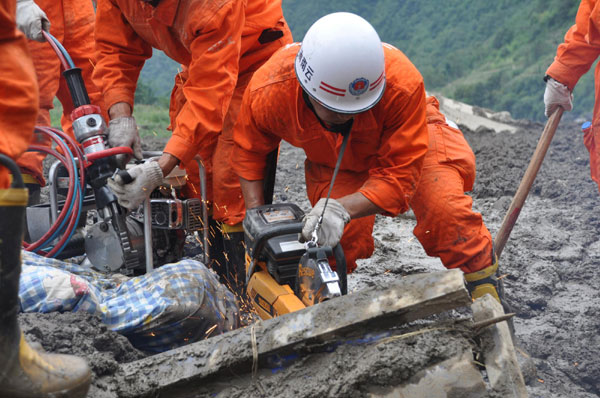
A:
(332, 88)
(377, 82)
(332, 92)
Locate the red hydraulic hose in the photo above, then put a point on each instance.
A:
(118, 150)
(76, 208)
(59, 54)
(52, 133)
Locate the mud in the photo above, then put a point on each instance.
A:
(550, 262)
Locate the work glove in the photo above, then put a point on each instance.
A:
(334, 220)
(146, 177)
(557, 94)
(31, 20)
(123, 131)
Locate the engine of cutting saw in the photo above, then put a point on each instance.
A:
(283, 274)
(112, 239)
(115, 241)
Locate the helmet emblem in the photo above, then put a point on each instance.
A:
(359, 86)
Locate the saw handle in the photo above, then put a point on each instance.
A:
(340, 267)
(125, 176)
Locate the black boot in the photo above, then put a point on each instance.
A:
(25, 373)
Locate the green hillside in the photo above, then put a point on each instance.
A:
(487, 53)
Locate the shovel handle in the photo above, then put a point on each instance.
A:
(528, 178)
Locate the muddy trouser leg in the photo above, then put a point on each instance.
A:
(25, 372)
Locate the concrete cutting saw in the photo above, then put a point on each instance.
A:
(283, 274)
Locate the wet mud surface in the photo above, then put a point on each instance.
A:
(551, 263)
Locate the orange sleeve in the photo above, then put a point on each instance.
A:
(213, 74)
(120, 55)
(393, 182)
(581, 47)
(251, 144)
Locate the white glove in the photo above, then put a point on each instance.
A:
(146, 177)
(334, 220)
(123, 131)
(557, 94)
(31, 20)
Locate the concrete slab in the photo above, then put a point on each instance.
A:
(499, 354)
(176, 372)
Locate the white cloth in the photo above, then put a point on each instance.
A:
(557, 94)
(146, 177)
(334, 220)
(31, 20)
(123, 131)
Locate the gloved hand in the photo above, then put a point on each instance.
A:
(31, 20)
(123, 131)
(334, 220)
(146, 177)
(557, 94)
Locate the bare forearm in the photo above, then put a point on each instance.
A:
(358, 205)
(253, 192)
(167, 162)
(120, 109)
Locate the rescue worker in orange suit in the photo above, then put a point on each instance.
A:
(24, 372)
(401, 153)
(574, 58)
(220, 45)
(72, 23)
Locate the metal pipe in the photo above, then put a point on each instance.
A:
(151, 154)
(148, 236)
(202, 175)
(53, 185)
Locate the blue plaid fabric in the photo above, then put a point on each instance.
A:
(174, 305)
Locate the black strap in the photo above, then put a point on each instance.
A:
(346, 135)
(344, 130)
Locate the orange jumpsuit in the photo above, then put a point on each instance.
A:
(573, 59)
(400, 154)
(72, 23)
(219, 44)
(18, 89)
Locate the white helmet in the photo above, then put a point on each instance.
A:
(340, 63)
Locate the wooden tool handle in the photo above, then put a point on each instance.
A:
(534, 166)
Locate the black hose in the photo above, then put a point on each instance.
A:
(11, 165)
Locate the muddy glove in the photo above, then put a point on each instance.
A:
(146, 177)
(31, 20)
(122, 131)
(334, 220)
(557, 94)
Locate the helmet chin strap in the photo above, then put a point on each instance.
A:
(344, 130)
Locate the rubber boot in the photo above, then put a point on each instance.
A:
(235, 251)
(24, 372)
(483, 282)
